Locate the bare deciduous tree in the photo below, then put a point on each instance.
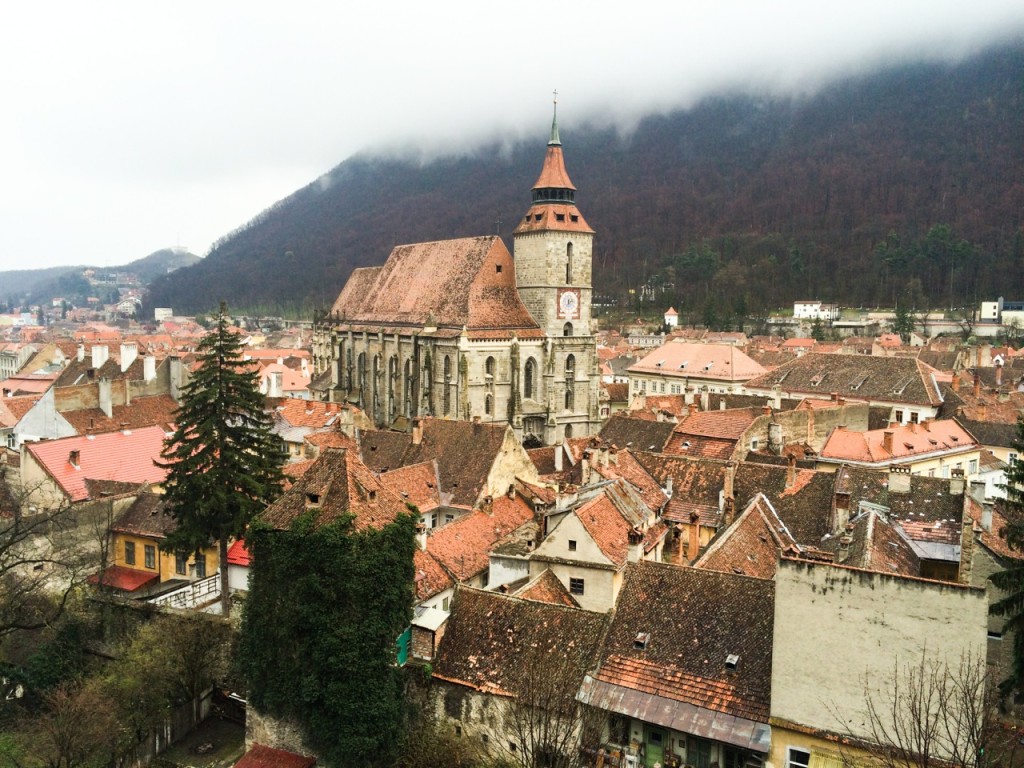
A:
(932, 713)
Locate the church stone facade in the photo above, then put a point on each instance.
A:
(460, 329)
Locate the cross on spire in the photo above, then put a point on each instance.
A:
(554, 121)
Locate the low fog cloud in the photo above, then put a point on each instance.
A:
(133, 127)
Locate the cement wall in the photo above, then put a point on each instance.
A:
(839, 629)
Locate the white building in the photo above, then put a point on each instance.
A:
(815, 310)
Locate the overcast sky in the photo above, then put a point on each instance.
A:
(132, 126)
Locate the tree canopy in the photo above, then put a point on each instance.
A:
(222, 459)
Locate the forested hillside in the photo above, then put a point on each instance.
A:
(906, 183)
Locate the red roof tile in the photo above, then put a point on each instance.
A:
(431, 578)
(238, 554)
(464, 546)
(266, 757)
(123, 578)
(111, 456)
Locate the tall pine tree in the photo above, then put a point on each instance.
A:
(222, 460)
(1011, 580)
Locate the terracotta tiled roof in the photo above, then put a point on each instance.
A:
(856, 377)
(123, 578)
(493, 642)
(260, 756)
(431, 578)
(156, 410)
(929, 498)
(992, 539)
(623, 430)
(695, 485)
(239, 554)
(307, 413)
(606, 527)
(468, 283)
(13, 409)
(693, 621)
(629, 469)
(337, 485)
(416, 484)
(684, 359)
(465, 453)
(464, 546)
(112, 456)
(907, 441)
(147, 516)
(323, 440)
(751, 545)
(546, 588)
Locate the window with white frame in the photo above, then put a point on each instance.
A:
(797, 758)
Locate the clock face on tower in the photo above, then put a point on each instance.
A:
(568, 303)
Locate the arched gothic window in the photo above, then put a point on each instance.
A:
(570, 367)
(567, 329)
(529, 373)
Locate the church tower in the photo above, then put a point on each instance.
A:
(553, 251)
(553, 248)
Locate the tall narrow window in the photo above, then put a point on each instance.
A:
(570, 398)
(567, 329)
(528, 375)
(489, 367)
(447, 385)
(570, 367)
(568, 264)
(488, 405)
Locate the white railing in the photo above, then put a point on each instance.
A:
(191, 595)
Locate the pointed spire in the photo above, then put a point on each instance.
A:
(554, 140)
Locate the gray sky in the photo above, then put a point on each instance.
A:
(131, 126)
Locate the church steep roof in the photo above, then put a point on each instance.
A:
(467, 282)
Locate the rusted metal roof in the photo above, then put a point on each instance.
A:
(679, 716)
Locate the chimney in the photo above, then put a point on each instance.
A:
(668, 486)
(728, 513)
(636, 545)
(899, 479)
(613, 456)
(149, 368)
(476, 419)
(128, 354)
(777, 397)
(966, 546)
(73, 459)
(275, 384)
(834, 396)
(99, 355)
(986, 517)
(775, 438)
(585, 470)
(705, 401)
(843, 551)
(421, 536)
(693, 546)
(977, 384)
(791, 472)
(766, 410)
(417, 431)
(558, 457)
(840, 511)
(106, 403)
(887, 441)
(177, 371)
(81, 353)
(956, 382)
(956, 482)
(487, 506)
(730, 477)
(691, 409)
(999, 375)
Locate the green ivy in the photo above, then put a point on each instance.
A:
(325, 606)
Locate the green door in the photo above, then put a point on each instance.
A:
(654, 747)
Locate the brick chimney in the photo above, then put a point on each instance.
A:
(957, 483)
(999, 375)
(728, 513)
(635, 548)
(417, 431)
(840, 511)
(728, 493)
(693, 545)
(899, 479)
(887, 441)
(74, 459)
(791, 472)
(129, 352)
(966, 570)
(977, 384)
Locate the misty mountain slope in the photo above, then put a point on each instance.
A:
(740, 202)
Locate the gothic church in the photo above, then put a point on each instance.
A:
(461, 329)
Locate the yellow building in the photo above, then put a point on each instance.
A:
(138, 566)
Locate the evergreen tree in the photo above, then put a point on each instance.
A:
(1011, 580)
(222, 459)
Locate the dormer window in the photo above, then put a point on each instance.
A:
(313, 499)
(732, 661)
(641, 640)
